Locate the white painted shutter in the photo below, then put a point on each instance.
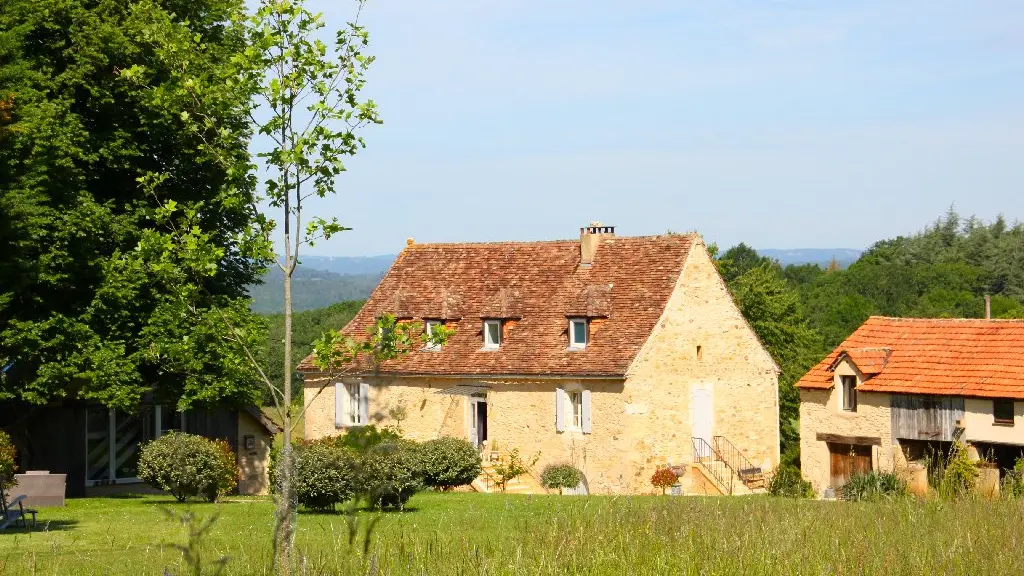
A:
(340, 404)
(364, 403)
(559, 410)
(586, 411)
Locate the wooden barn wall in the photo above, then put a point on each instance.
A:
(217, 423)
(919, 417)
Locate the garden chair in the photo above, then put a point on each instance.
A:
(14, 512)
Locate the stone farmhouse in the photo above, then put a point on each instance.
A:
(901, 389)
(616, 354)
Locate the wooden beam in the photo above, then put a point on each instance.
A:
(840, 439)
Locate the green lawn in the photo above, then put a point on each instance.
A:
(492, 534)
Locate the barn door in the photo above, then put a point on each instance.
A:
(846, 460)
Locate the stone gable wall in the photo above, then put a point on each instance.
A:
(732, 364)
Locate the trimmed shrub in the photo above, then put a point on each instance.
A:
(187, 465)
(787, 483)
(872, 486)
(360, 439)
(448, 462)
(561, 476)
(324, 475)
(389, 474)
(8, 461)
(664, 478)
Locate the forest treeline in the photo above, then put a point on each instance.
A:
(801, 312)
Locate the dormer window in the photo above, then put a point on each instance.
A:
(492, 334)
(849, 391)
(578, 333)
(428, 328)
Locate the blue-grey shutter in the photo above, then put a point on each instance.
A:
(559, 410)
(339, 404)
(364, 403)
(586, 411)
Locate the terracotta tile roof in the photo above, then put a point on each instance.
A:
(868, 360)
(536, 286)
(982, 358)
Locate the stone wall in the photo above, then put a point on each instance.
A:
(520, 414)
(253, 465)
(730, 363)
(821, 412)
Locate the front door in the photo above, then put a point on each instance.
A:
(701, 421)
(846, 460)
(478, 421)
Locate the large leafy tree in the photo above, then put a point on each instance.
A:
(303, 96)
(775, 313)
(83, 313)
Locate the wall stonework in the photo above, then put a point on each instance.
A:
(638, 424)
(253, 465)
(733, 364)
(821, 412)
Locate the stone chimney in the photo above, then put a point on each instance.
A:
(988, 307)
(590, 238)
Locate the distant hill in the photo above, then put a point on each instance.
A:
(352, 265)
(311, 289)
(820, 256)
(324, 280)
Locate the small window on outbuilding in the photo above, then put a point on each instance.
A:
(1002, 412)
(578, 333)
(849, 384)
(492, 334)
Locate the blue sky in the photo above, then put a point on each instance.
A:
(783, 124)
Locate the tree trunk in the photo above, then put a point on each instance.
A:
(286, 497)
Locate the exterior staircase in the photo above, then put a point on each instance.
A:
(724, 469)
(487, 481)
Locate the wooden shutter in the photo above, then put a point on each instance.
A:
(364, 403)
(586, 411)
(559, 410)
(340, 405)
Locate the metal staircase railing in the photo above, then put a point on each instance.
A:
(747, 472)
(705, 454)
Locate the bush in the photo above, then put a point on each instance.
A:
(1013, 483)
(448, 462)
(513, 466)
(560, 476)
(360, 439)
(663, 478)
(324, 475)
(389, 474)
(787, 483)
(872, 486)
(960, 476)
(8, 461)
(188, 465)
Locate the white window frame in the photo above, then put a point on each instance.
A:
(572, 333)
(488, 344)
(354, 413)
(575, 409)
(428, 329)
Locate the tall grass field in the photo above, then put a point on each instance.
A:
(474, 534)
